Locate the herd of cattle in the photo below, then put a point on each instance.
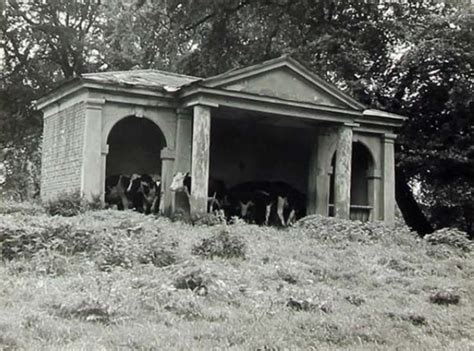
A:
(260, 202)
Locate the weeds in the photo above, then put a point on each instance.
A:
(450, 237)
(222, 245)
(71, 204)
(114, 279)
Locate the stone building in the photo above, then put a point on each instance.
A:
(272, 121)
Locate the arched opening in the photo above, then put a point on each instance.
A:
(134, 147)
(362, 167)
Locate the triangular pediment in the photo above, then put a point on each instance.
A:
(286, 79)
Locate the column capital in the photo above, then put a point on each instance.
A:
(374, 174)
(350, 124)
(167, 154)
(184, 113)
(389, 137)
(202, 103)
(206, 104)
(95, 104)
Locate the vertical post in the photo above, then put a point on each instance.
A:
(389, 178)
(319, 172)
(374, 178)
(184, 142)
(312, 179)
(184, 131)
(200, 158)
(342, 186)
(104, 153)
(167, 166)
(91, 171)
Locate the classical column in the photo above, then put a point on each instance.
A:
(184, 135)
(200, 158)
(389, 178)
(167, 167)
(374, 178)
(312, 179)
(342, 183)
(103, 154)
(184, 141)
(319, 172)
(91, 172)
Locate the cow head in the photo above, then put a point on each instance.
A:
(179, 181)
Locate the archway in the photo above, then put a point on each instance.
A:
(362, 169)
(134, 147)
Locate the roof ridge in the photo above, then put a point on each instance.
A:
(141, 71)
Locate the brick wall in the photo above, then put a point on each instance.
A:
(63, 136)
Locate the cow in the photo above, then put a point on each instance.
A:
(145, 193)
(264, 202)
(252, 201)
(115, 191)
(217, 191)
(289, 203)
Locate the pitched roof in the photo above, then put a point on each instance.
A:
(149, 78)
(292, 64)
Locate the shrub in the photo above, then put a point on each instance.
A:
(450, 237)
(192, 281)
(25, 208)
(25, 239)
(66, 205)
(335, 230)
(209, 219)
(115, 251)
(157, 255)
(221, 245)
(125, 248)
(72, 204)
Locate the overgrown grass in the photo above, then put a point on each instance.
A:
(122, 280)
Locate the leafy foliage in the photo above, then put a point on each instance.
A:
(66, 205)
(451, 237)
(222, 245)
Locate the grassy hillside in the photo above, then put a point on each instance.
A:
(115, 280)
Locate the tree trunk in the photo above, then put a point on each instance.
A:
(411, 212)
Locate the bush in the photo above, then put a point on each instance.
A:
(342, 230)
(72, 204)
(221, 245)
(157, 255)
(124, 248)
(66, 205)
(26, 208)
(23, 240)
(450, 237)
(209, 219)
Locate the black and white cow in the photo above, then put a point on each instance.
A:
(138, 192)
(251, 201)
(264, 202)
(289, 203)
(145, 193)
(217, 191)
(116, 191)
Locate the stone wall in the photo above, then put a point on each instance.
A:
(62, 151)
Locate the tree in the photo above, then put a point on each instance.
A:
(42, 44)
(432, 83)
